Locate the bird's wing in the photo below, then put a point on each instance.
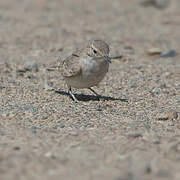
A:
(71, 65)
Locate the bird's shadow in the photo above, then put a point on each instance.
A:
(83, 97)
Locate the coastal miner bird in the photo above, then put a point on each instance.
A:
(86, 67)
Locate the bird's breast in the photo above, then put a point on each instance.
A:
(92, 67)
(92, 72)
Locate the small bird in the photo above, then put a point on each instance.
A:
(86, 67)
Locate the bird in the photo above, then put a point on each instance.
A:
(86, 67)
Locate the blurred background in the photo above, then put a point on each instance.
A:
(43, 25)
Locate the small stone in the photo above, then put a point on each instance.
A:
(62, 126)
(133, 85)
(99, 109)
(29, 66)
(171, 123)
(172, 115)
(73, 133)
(21, 70)
(134, 135)
(128, 47)
(162, 117)
(160, 4)
(17, 148)
(148, 169)
(168, 115)
(2, 87)
(156, 142)
(169, 54)
(48, 154)
(154, 51)
(31, 76)
(34, 129)
(8, 114)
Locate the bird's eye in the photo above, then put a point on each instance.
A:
(94, 51)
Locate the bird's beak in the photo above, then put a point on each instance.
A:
(107, 58)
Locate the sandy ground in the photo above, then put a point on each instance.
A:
(132, 133)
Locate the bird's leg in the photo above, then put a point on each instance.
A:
(92, 90)
(72, 95)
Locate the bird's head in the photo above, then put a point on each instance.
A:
(98, 49)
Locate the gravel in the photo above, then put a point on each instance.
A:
(132, 132)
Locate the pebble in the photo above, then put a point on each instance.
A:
(34, 129)
(154, 51)
(133, 85)
(134, 135)
(172, 115)
(48, 154)
(160, 4)
(73, 133)
(169, 54)
(29, 66)
(17, 148)
(168, 115)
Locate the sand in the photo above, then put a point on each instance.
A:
(132, 133)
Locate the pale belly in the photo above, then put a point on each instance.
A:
(92, 73)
